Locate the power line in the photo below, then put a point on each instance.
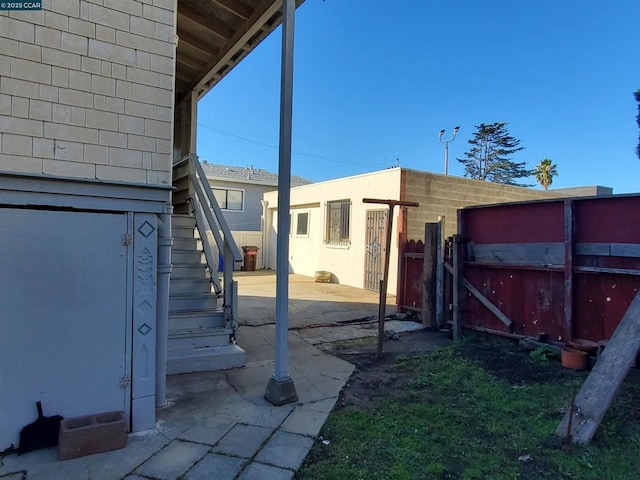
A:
(304, 154)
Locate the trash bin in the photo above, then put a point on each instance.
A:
(250, 257)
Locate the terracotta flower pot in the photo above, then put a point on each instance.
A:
(575, 359)
(583, 344)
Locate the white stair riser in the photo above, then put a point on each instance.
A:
(189, 343)
(183, 221)
(192, 303)
(182, 232)
(184, 243)
(186, 256)
(189, 271)
(204, 360)
(200, 285)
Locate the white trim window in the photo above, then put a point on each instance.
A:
(302, 224)
(337, 223)
(230, 199)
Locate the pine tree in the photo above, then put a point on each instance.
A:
(637, 95)
(490, 156)
(544, 172)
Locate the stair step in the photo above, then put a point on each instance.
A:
(184, 243)
(183, 221)
(205, 359)
(190, 285)
(195, 338)
(186, 270)
(196, 319)
(186, 256)
(182, 232)
(191, 301)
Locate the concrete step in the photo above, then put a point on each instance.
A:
(182, 232)
(188, 221)
(180, 302)
(196, 319)
(186, 256)
(186, 270)
(195, 338)
(205, 359)
(190, 285)
(184, 243)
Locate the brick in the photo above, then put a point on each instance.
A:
(43, 147)
(5, 106)
(120, 174)
(127, 6)
(80, 80)
(156, 129)
(48, 93)
(144, 27)
(123, 157)
(70, 132)
(164, 114)
(78, 116)
(61, 58)
(76, 98)
(39, 110)
(91, 65)
(165, 48)
(17, 145)
(146, 160)
(74, 43)
(72, 151)
(17, 29)
(110, 52)
(161, 162)
(30, 52)
(106, 34)
(35, 17)
(131, 40)
(115, 105)
(70, 8)
(129, 124)
(119, 72)
(48, 37)
(163, 146)
(105, 69)
(123, 89)
(81, 27)
(65, 168)
(139, 142)
(21, 126)
(113, 139)
(99, 102)
(164, 32)
(166, 4)
(162, 64)
(60, 77)
(31, 71)
(157, 14)
(143, 60)
(61, 113)
(158, 178)
(102, 120)
(108, 17)
(96, 154)
(144, 78)
(137, 109)
(8, 47)
(20, 107)
(56, 21)
(160, 96)
(103, 86)
(12, 163)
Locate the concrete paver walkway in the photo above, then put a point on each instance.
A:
(217, 424)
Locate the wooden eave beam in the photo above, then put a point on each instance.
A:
(204, 46)
(234, 7)
(190, 62)
(211, 24)
(263, 12)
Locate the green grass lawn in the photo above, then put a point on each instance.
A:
(480, 409)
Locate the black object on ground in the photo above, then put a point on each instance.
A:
(42, 433)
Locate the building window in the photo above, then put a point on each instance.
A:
(229, 199)
(338, 217)
(302, 224)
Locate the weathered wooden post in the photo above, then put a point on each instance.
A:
(385, 276)
(429, 275)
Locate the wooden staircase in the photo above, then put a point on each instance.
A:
(201, 333)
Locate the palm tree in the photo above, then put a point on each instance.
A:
(544, 172)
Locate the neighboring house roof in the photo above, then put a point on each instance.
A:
(230, 173)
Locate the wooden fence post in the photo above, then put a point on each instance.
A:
(568, 269)
(429, 275)
(439, 275)
(459, 290)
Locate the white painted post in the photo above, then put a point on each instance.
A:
(281, 389)
(165, 240)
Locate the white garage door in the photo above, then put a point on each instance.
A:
(63, 315)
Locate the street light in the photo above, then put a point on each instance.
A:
(446, 148)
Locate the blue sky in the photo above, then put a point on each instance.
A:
(376, 80)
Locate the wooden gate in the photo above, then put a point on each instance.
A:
(375, 249)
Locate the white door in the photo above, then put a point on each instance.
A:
(63, 315)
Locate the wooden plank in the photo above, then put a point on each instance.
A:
(625, 250)
(621, 271)
(569, 221)
(459, 305)
(487, 303)
(439, 275)
(549, 253)
(429, 266)
(597, 249)
(597, 392)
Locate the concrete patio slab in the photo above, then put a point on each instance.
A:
(243, 441)
(173, 461)
(259, 471)
(285, 450)
(304, 421)
(220, 467)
